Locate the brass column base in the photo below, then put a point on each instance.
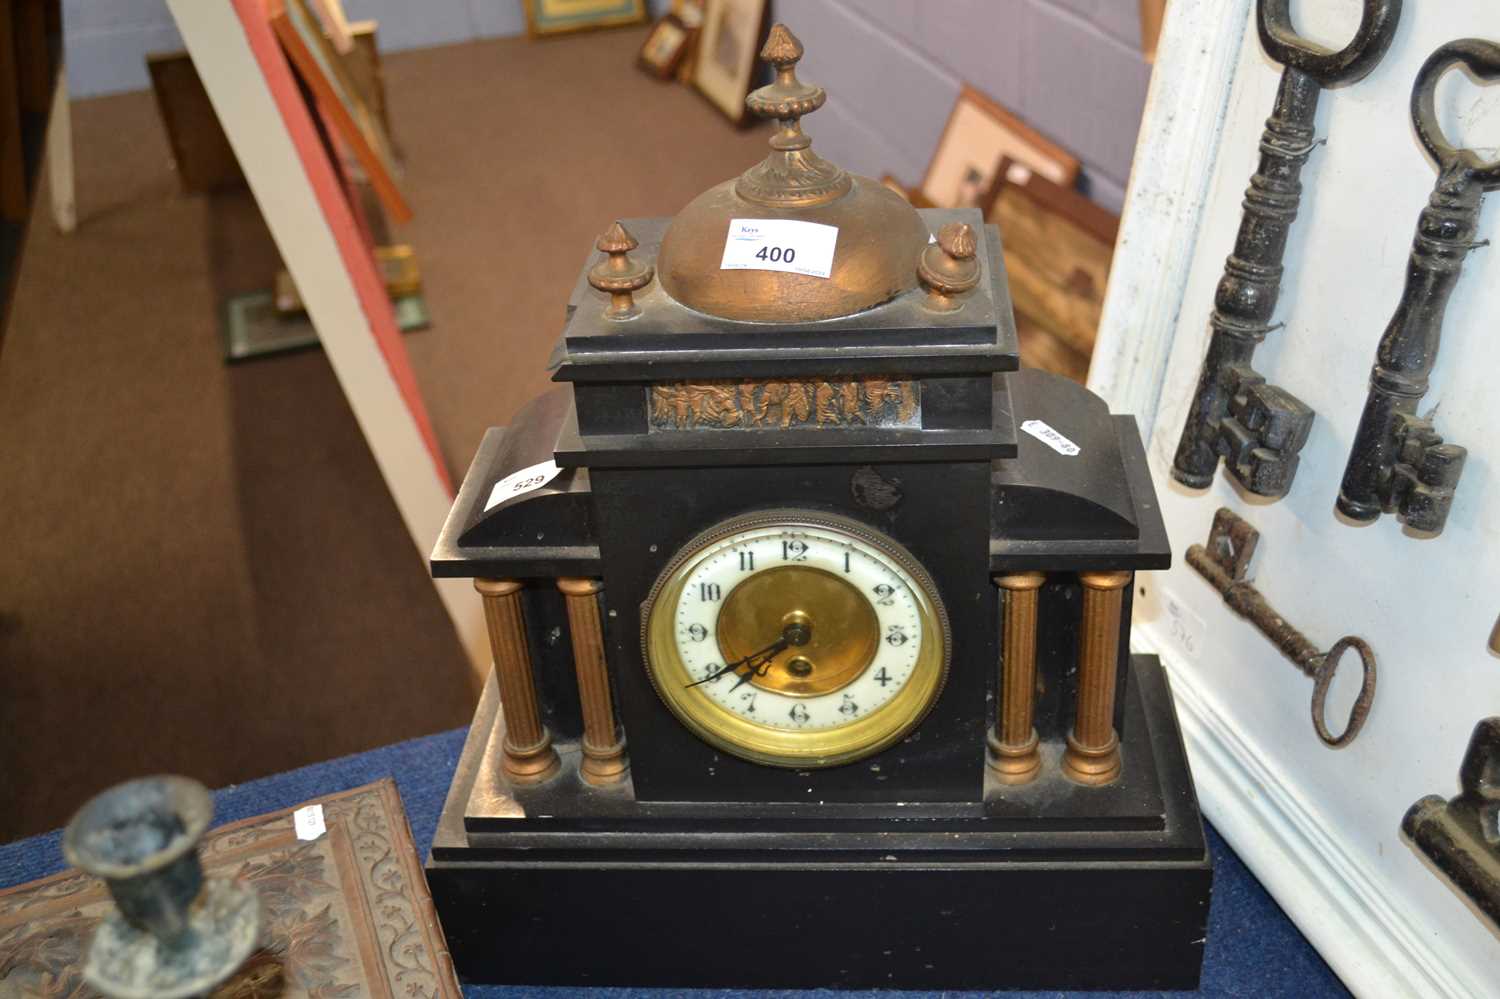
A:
(604, 765)
(1094, 765)
(531, 764)
(1017, 764)
(604, 760)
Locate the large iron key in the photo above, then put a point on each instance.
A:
(1398, 463)
(1258, 428)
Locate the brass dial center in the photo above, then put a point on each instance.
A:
(831, 630)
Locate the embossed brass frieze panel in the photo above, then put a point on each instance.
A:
(783, 405)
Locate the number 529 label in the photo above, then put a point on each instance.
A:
(780, 245)
(527, 480)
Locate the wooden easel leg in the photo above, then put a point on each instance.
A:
(60, 157)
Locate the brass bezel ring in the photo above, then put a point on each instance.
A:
(729, 732)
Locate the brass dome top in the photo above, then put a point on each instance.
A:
(880, 236)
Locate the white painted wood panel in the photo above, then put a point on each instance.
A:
(1320, 827)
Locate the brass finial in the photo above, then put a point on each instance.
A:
(787, 96)
(957, 240)
(947, 268)
(616, 240)
(792, 175)
(782, 48)
(617, 275)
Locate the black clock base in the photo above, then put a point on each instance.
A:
(985, 898)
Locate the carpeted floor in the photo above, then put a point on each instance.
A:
(201, 570)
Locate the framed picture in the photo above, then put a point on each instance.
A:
(665, 46)
(559, 17)
(733, 31)
(363, 67)
(979, 134)
(338, 100)
(205, 161)
(336, 25)
(1058, 247)
(690, 13)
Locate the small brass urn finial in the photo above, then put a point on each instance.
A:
(617, 275)
(947, 268)
(792, 175)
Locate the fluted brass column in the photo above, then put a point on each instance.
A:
(529, 756)
(604, 759)
(1093, 753)
(1013, 741)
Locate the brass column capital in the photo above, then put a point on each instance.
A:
(1108, 580)
(496, 587)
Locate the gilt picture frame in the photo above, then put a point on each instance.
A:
(665, 46)
(728, 50)
(562, 17)
(979, 134)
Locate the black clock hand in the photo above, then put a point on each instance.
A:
(760, 663)
(760, 658)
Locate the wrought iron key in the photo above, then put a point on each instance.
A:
(1225, 562)
(1236, 414)
(1398, 463)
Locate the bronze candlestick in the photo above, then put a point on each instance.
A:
(175, 933)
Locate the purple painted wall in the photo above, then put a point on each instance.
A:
(1072, 69)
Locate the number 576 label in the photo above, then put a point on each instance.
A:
(780, 245)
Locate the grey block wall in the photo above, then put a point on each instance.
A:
(1072, 69)
(105, 44)
(106, 41)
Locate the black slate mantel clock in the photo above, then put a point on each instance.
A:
(810, 616)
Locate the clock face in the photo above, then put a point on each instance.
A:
(798, 640)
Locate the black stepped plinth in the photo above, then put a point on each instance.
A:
(1048, 885)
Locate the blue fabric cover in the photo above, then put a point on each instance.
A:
(1253, 948)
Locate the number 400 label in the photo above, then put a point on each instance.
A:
(780, 245)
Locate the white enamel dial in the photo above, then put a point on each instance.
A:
(887, 589)
(796, 640)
